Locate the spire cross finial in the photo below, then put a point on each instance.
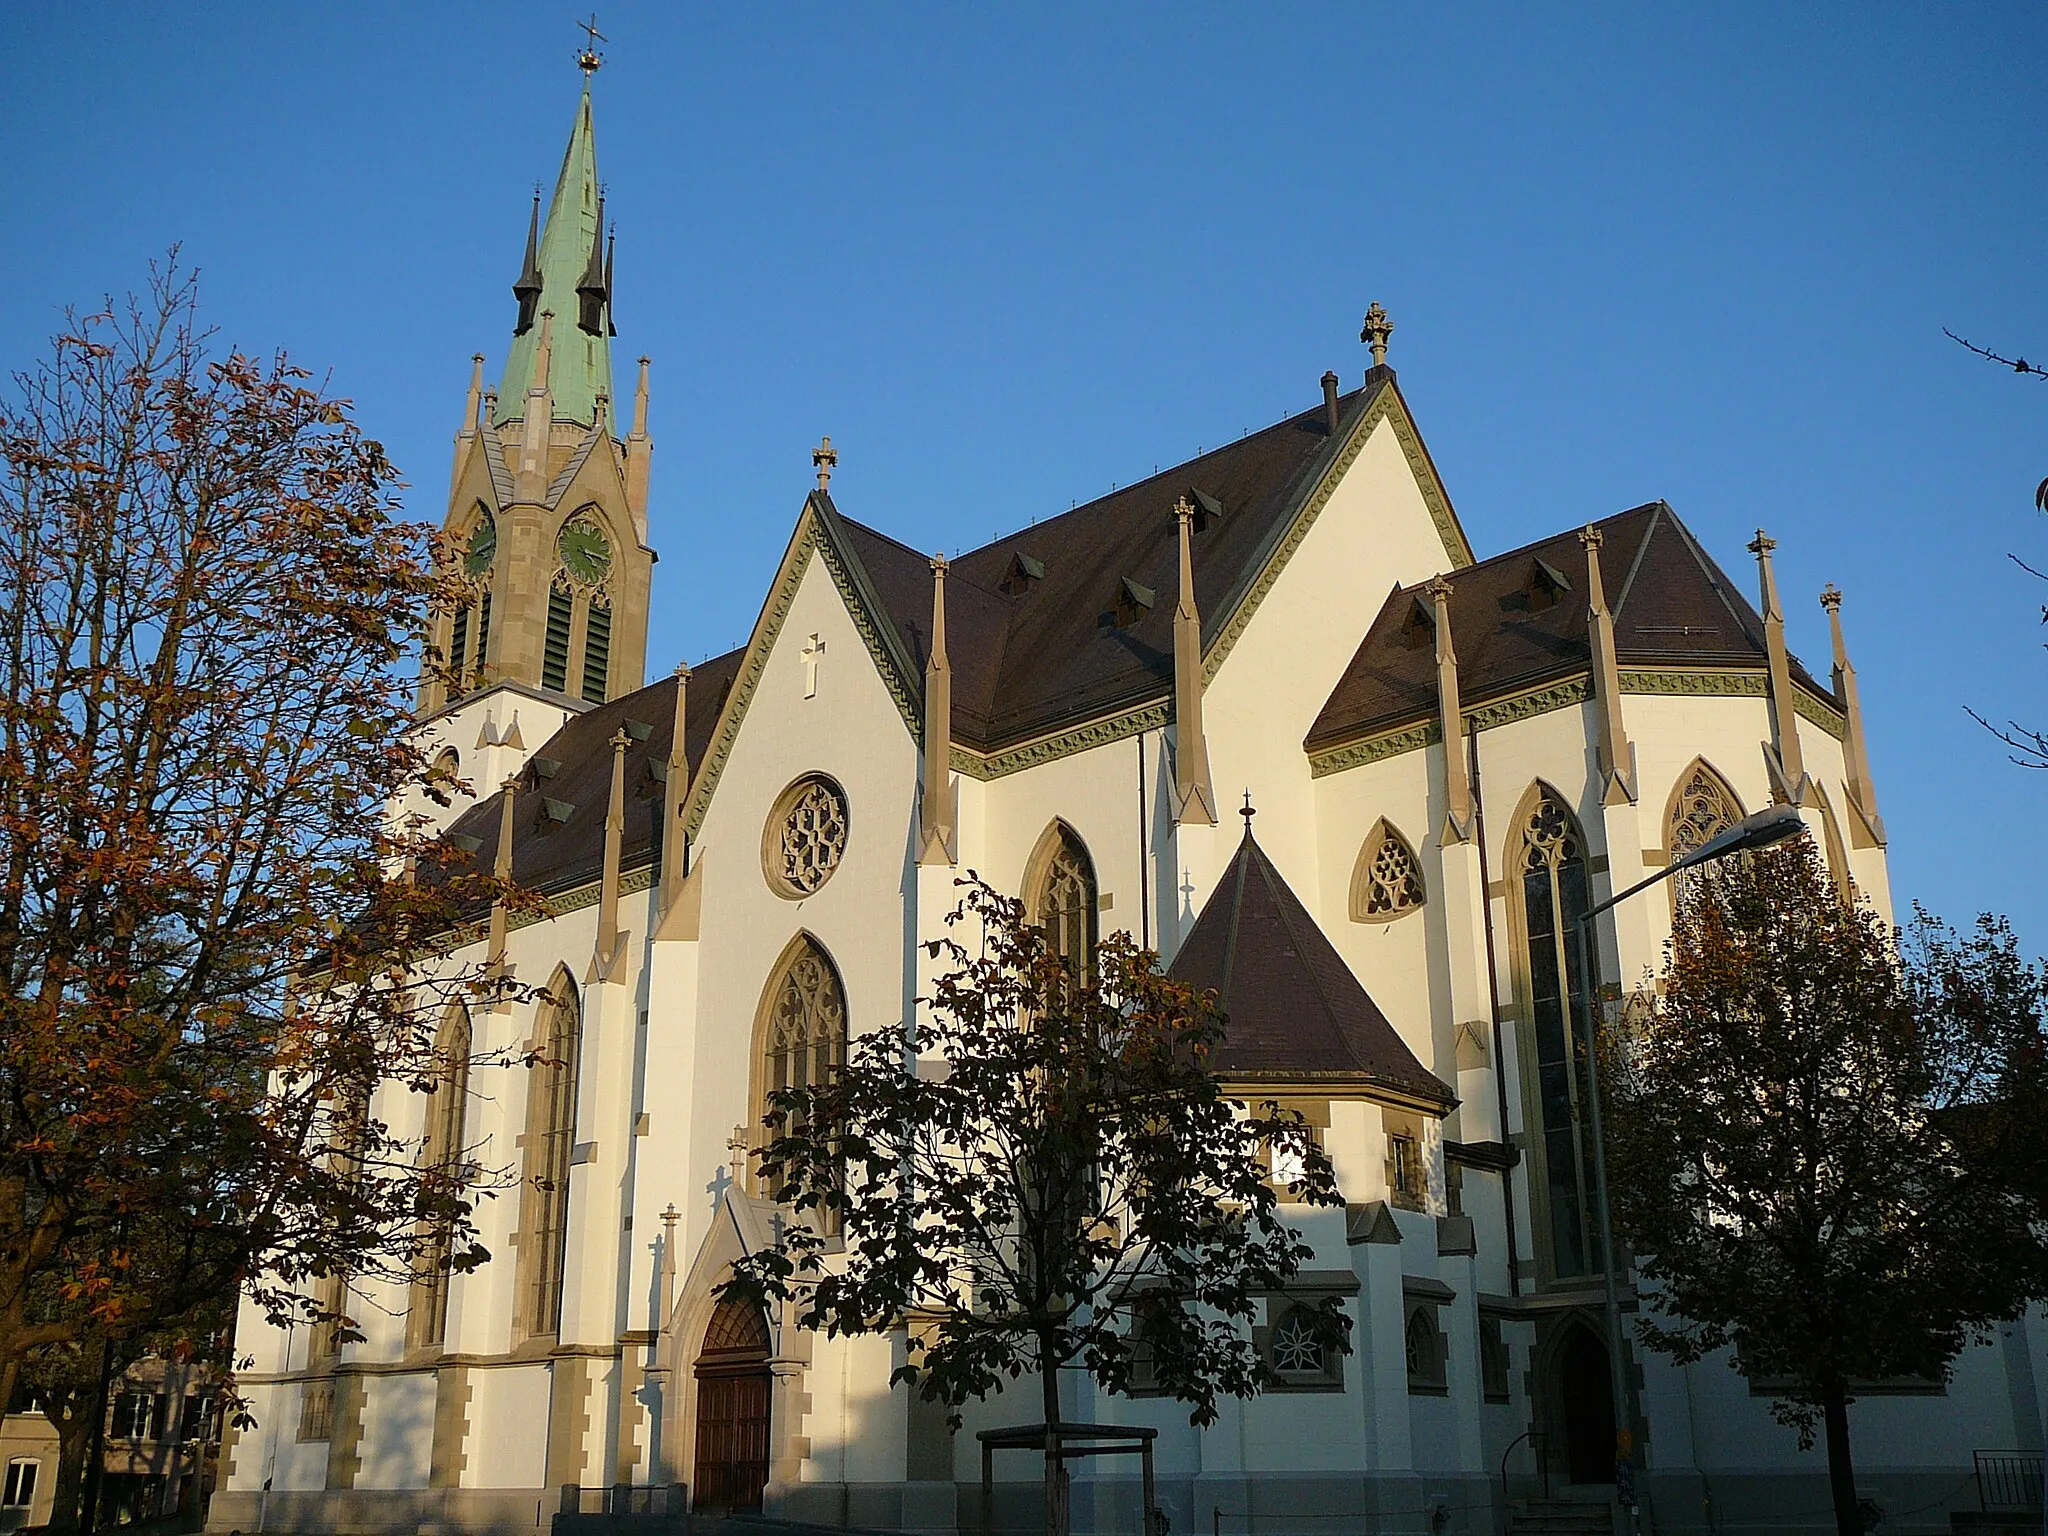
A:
(1377, 329)
(1247, 813)
(588, 59)
(824, 459)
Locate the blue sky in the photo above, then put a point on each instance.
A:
(1009, 257)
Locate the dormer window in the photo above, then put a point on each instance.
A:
(1418, 624)
(1133, 602)
(1023, 572)
(1207, 508)
(1543, 585)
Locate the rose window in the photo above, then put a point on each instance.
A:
(806, 837)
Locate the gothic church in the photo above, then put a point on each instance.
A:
(1449, 756)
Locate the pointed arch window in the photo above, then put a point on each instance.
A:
(1550, 860)
(802, 1030)
(578, 640)
(1702, 807)
(447, 1113)
(550, 1151)
(1386, 883)
(1061, 897)
(469, 624)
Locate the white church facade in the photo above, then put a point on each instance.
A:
(1448, 755)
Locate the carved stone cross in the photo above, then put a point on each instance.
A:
(812, 653)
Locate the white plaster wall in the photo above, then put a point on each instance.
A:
(398, 1431)
(852, 731)
(1373, 532)
(1096, 794)
(508, 1427)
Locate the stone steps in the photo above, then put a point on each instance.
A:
(1561, 1517)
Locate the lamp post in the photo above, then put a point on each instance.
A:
(1771, 825)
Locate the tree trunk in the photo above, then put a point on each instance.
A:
(74, 1443)
(1841, 1472)
(1055, 1465)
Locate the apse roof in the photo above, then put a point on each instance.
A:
(1295, 1010)
(1673, 607)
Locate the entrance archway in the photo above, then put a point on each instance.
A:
(734, 1388)
(1586, 1398)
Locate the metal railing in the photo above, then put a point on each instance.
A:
(2008, 1479)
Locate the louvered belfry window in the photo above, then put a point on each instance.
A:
(554, 664)
(597, 647)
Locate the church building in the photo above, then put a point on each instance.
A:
(1450, 755)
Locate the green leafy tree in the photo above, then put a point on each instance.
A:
(1825, 1145)
(215, 933)
(1050, 1175)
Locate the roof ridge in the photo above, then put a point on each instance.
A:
(1492, 561)
(1628, 582)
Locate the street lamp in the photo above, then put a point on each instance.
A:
(1771, 825)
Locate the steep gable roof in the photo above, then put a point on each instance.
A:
(1295, 1010)
(576, 763)
(1673, 607)
(1050, 652)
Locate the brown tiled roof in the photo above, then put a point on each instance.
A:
(1295, 1011)
(550, 856)
(1025, 662)
(1049, 656)
(1672, 606)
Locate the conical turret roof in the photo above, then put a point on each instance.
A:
(581, 364)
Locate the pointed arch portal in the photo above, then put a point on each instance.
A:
(734, 1390)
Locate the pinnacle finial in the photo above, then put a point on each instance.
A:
(1831, 598)
(588, 59)
(1590, 537)
(1377, 329)
(824, 459)
(1762, 544)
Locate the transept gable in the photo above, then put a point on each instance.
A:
(1044, 658)
(820, 532)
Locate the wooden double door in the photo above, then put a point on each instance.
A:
(735, 1389)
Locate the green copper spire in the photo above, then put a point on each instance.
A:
(581, 366)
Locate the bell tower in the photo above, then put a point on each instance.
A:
(547, 510)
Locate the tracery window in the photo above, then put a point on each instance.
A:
(1295, 1345)
(551, 1143)
(447, 1112)
(1551, 863)
(1387, 881)
(1427, 1367)
(803, 1027)
(1062, 897)
(1703, 808)
(806, 836)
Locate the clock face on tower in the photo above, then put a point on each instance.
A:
(482, 547)
(586, 553)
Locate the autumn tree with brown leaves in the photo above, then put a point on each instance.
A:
(1049, 1176)
(1826, 1142)
(213, 949)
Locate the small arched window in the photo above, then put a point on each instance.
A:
(1702, 807)
(441, 1156)
(1386, 883)
(1425, 1348)
(1060, 896)
(550, 1151)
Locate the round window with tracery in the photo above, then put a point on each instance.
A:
(806, 837)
